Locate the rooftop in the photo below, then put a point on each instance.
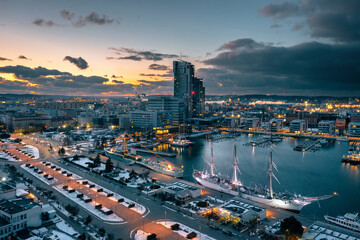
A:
(16, 206)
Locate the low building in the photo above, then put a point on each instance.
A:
(327, 127)
(354, 129)
(232, 122)
(7, 191)
(251, 123)
(182, 191)
(298, 126)
(238, 211)
(18, 214)
(341, 125)
(276, 125)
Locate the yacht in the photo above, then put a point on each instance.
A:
(181, 142)
(349, 220)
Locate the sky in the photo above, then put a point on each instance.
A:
(120, 48)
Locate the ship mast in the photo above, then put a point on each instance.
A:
(234, 178)
(271, 166)
(271, 174)
(212, 166)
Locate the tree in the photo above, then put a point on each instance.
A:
(97, 161)
(88, 220)
(72, 209)
(109, 166)
(76, 157)
(4, 135)
(61, 151)
(102, 231)
(291, 227)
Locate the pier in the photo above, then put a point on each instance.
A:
(158, 153)
(307, 146)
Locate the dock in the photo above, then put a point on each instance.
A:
(307, 146)
(158, 153)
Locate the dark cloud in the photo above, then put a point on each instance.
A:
(26, 72)
(67, 15)
(114, 76)
(242, 43)
(43, 23)
(280, 10)
(5, 59)
(136, 55)
(331, 68)
(158, 83)
(147, 75)
(23, 57)
(92, 18)
(333, 19)
(79, 62)
(158, 67)
(45, 81)
(165, 75)
(134, 58)
(117, 81)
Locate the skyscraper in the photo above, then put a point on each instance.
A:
(189, 89)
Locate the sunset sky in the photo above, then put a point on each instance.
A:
(102, 48)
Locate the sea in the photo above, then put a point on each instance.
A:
(310, 173)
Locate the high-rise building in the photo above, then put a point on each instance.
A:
(189, 89)
(171, 104)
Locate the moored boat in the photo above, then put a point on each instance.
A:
(284, 200)
(349, 220)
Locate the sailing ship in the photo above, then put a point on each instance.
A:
(283, 200)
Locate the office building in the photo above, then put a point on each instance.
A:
(354, 129)
(18, 214)
(144, 121)
(189, 89)
(171, 104)
(275, 125)
(298, 126)
(251, 123)
(327, 127)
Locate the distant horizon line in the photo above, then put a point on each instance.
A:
(134, 95)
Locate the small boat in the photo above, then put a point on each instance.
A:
(349, 220)
(351, 158)
(181, 142)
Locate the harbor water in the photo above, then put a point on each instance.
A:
(311, 173)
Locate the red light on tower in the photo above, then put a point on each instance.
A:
(193, 92)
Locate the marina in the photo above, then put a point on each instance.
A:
(299, 172)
